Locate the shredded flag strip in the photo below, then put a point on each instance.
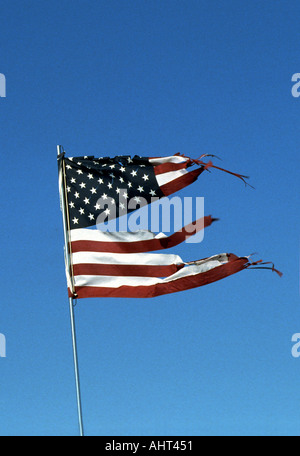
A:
(118, 264)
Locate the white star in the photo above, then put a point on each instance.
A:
(121, 179)
(81, 211)
(107, 211)
(100, 180)
(82, 185)
(133, 173)
(91, 216)
(145, 177)
(140, 189)
(97, 207)
(71, 204)
(86, 200)
(122, 169)
(68, 189)
(104, 196)
(118, 190)
(122, 206)
(79, 171)
(76, 195)
(129, 184)
(109, 185)
(152, 193)
(125, 195)
(73, 180)
(75, 221)
(68, 167)
(137, 199)
(90, 176)
(129, 160)
(112, 166)
(93, 190)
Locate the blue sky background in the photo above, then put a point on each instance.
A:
(152, 78)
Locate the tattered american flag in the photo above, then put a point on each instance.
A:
(118, 264)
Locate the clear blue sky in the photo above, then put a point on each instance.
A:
(152, 78)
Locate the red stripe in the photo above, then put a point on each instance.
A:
(184, 283)
(167, 167)
(126, 270)
(181, 182)
(143, 246)
(187, 231)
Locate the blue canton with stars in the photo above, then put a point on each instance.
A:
(104, 186)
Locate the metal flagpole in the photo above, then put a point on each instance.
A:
(64, 209)
(71, 305)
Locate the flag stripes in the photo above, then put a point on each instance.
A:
(207, 271)
(132, 242)
(174, 181)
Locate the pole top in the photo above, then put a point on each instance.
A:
(60, 151)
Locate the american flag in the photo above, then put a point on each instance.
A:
(117, 180)
(118, 264)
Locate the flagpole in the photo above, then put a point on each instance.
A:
(71, 300)
(78, 395)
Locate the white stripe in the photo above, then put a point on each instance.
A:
(154, 259)
(222, 258)
(170, 176)
(84, 234)
(171, 159)
(115, 282)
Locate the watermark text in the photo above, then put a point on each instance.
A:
(296, 346)
(296, 87)
(2, 346)
(162, 215)
(2, 85)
